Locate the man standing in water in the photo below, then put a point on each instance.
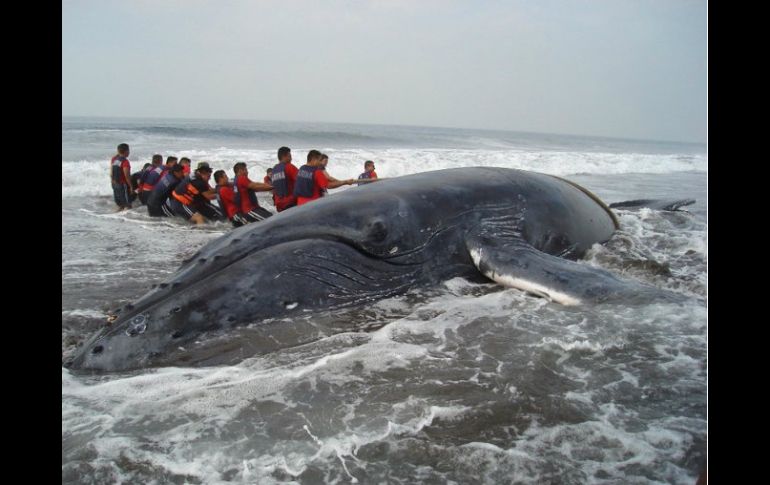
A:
(157, 203)
(190, 198)
(311, 179)
(283, 180)
(269, 180)
(250, 209)
(228, 199)
(150, 177)
(369, 172)
(120, 177)
(185, 163)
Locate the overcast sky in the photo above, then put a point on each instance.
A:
(618, 68)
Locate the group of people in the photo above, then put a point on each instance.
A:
(174, 189)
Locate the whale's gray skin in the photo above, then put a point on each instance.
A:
(519, 228)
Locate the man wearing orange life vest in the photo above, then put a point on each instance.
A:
(150, 176)
(190, 199)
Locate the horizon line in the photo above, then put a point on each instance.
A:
(606, 137)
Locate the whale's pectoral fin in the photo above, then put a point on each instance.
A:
(517, 264)
(657, 204)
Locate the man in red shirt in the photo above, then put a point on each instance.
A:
(170, 162)
(269, 180)
(247, 189)
(226, 198)
(120, 177)
(369, 172)
(283, 180)
(311, 179)
(185, 163)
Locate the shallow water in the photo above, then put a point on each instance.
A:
(467, 382)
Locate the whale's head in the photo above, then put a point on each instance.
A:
(283, 280)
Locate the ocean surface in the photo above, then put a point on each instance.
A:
(462, 383)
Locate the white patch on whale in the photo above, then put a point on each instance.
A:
(525, 285)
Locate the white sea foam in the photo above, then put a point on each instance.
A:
(88, 313)
(91, 177)
(183, 411)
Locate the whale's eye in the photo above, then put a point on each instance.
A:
(376, 231)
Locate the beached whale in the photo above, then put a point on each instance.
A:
(518, 228)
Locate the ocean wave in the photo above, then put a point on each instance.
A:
(219, 132)
(88, 177)
(262, 134)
